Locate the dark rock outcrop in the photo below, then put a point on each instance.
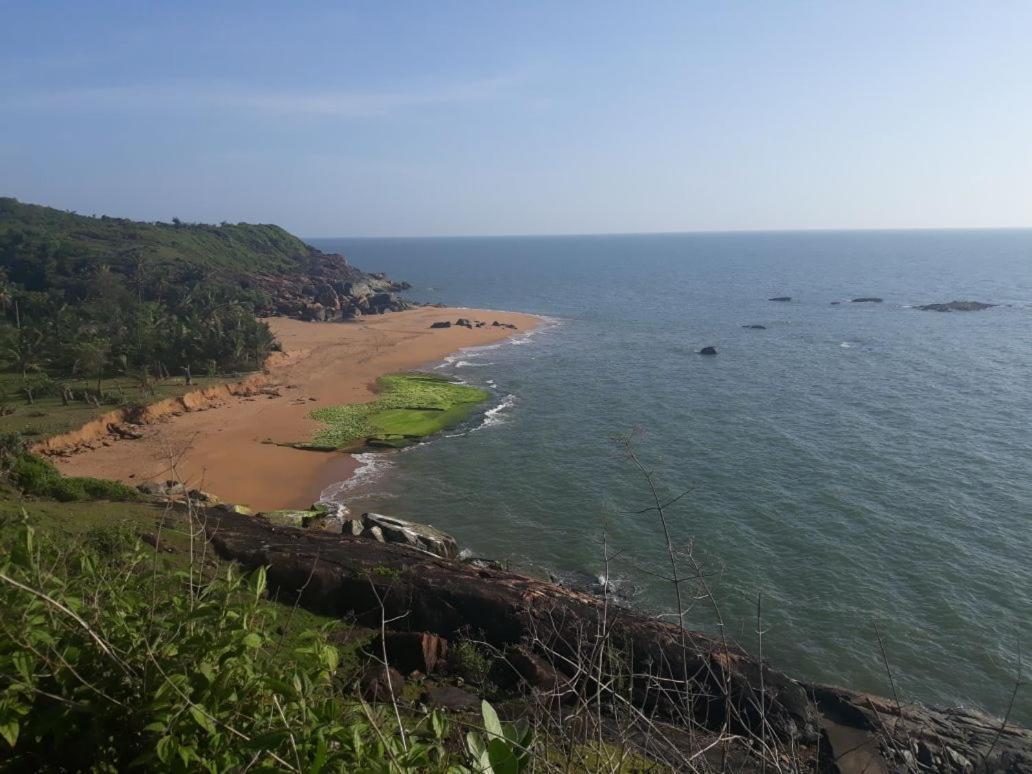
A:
(441, 324)
(956, 306)
(412, 651)
(347, 576)
(327, 289)
(867, 300)
(708, 351)
(781, 298)
(755, 327)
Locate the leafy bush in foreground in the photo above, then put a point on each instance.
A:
(108, 663)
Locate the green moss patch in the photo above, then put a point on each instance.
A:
(408, 407)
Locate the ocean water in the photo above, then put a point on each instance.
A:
(858, 466)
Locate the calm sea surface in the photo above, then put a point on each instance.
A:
(857, 465)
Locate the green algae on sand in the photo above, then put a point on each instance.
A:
(408, 407)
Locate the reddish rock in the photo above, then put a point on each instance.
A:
(413, 651)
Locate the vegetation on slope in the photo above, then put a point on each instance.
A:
(83, 300)
(408, 407)
(112, 660)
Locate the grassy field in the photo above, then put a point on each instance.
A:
(408, 407)
(47, 416)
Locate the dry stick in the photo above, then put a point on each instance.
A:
(888, 671)
(1010, 707)
(708, 593)
(763, 702)
(387, 667)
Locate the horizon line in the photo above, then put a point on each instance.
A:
(694, 232)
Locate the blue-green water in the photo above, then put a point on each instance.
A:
(856, 464)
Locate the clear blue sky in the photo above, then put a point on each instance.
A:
(392, 118)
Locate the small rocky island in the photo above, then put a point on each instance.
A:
(956, 306)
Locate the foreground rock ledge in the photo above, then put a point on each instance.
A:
(343, 575)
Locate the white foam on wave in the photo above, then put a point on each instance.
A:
(496, 415)
(469, 364)
(371, 466)
(845, 345)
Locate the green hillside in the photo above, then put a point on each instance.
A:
(30, 234)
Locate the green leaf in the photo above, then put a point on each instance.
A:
(258, 582)
(201, 718)
(503, 758)
(491, 723)
(166, 748)
(475, 744)
(9, 731)
(253, 640)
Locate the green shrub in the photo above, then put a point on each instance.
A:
(35, 476)
(109, 667)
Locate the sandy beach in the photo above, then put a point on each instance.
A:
(225, 448)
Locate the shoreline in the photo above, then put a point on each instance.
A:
(229, 446)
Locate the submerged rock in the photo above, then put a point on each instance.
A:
(755, 327)
(956, 306)
(708, 351)
(781, 298)
(867, 300)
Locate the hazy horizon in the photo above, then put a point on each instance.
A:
(530, 120)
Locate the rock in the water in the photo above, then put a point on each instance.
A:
(450, 697)
(956, 306)
(781, 298)
(381, 683)
(441, 324)
(755, 327)
(867, 300)
(708, 351)
(420, 536)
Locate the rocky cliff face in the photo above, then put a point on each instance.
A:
(329, 288)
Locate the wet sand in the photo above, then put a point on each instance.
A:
(229, 448)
